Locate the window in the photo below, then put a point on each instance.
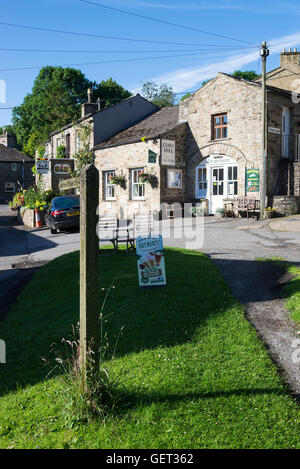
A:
(218, 181)
(232, 181)
(77, 143)
(219, 126)
(10, 187)
(138, 188)
(14, 166)
(109, 188)
(202, 179)
(68, 145)
(59, 142)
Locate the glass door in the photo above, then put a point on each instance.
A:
(217, 188)
(201, 183)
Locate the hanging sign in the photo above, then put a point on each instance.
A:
(168, 152)
(151, 261)
(253, 180)
(42, 166)
(151, 156)
(274, 130)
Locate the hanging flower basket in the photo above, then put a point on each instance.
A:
(148, 178)
(118, 181)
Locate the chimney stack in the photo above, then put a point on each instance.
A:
(89, 107)
(90, 95)
(290, 59)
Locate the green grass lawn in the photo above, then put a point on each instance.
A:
(192, 370)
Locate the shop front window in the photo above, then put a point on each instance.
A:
(138, 188)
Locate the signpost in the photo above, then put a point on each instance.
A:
(151, 261)
(253, 180)
(168, 152)
(89, 250)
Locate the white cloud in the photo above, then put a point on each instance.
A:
(186, 79)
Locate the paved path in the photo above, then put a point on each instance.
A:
(234, 245)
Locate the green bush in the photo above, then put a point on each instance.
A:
(61, 151)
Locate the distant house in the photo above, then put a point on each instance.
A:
(15, 170)
(103, 123)
(287, 75)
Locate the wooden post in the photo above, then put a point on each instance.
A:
(89, 250)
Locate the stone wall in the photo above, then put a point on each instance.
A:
(285, 205)
(122, 159)
(242, 103)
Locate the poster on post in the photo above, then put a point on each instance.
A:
(151, 261)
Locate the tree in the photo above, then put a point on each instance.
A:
(162, 96)
(55, 101)
(246, 75)
(110, 92)
(187, 95)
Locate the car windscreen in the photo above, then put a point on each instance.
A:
(66, 202)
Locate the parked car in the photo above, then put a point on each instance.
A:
(63, 213)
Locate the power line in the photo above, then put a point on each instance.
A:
(137, 59)
(74, 33)
(225, 48)
(162, 21)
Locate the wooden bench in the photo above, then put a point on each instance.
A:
(107, 230)
(243, 205)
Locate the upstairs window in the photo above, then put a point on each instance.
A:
(219, 126)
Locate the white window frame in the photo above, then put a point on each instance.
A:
(13, 187)
(77, 141)
(135, 183)
(108, 187)
(14, 166)
(232, 181)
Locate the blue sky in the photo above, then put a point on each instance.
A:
(275, 21)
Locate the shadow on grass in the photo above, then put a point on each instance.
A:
(49, 306)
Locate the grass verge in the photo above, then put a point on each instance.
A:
(192, 371)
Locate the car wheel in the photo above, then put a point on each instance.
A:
(53, 230)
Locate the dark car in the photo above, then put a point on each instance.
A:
(63, 213)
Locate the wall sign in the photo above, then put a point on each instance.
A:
(174, 177)
(274, 130)
(42, 166)
(168, 152)
(253, 180)
(151, 156)
(61, 168)
(151, 261)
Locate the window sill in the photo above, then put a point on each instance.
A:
(109, 200)
(217, 140)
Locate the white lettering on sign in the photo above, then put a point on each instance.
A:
(42, 166)
(168, 152)
(274, 130)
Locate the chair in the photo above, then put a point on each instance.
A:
(107, 230)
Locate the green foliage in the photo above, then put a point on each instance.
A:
(206, 81)
(162, 96)
(61, 151)
(37, 197)
(84, 155)
(31, 145)
(246, 75)
(187, 95)
(110, 92)
(55, 101)
(194, 372)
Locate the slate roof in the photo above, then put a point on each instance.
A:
(153, 126)
(13, 155)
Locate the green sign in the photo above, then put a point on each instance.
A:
(253, 179)
(152, 156)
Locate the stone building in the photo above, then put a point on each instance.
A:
(102, 124)
(15, 170)
(217, 135)
(287, 75)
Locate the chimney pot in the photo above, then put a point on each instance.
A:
(99, 104)
(90, 95)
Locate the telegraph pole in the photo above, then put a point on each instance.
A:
(264, 54)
